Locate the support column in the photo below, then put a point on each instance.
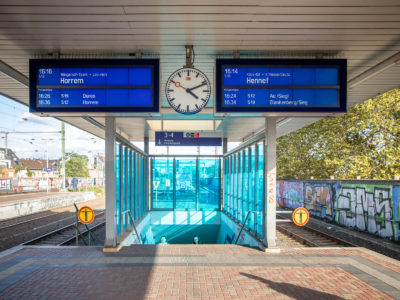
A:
(111, 229)
(146, 144)
(269, 200)
(224, 145)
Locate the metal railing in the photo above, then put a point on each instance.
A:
(244, 223)
(129, 213)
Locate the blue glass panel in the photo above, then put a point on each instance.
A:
(234, 186)
(128, 184)
(137, 175)
(185, 183)
(245, 204)
(231, 183)
(140, 194)
(252, 190)
(240, 186)
(123, 198)
(162, 183)
(118, 188)
(260, 183)
(209, 184)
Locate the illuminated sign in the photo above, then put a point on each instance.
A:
(281, 85)
(95, 85)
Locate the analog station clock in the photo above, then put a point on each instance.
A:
(188, 90)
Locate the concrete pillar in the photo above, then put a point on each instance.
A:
(269, 202)
(111, 229)
(224, 145)
(146, 144)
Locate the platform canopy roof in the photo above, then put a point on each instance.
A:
(365, 32)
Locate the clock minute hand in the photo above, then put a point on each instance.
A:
(197, 86)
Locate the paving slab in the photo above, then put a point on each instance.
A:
(197, 272)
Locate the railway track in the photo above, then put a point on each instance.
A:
(66, 234)
(17, 231)
(307, 235)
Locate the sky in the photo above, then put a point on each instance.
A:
(15, 117)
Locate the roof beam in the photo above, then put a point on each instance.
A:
(375, 70)
(14, 74)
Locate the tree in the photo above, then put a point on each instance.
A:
(29, 173)
(363, 142)
(19, 167)
(76, 165)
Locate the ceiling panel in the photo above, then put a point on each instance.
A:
(365, 32)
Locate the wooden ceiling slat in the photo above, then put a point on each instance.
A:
(187, 25)
(136, 3)
(381, 38)
(199, 31)
(357, 45)
(205, 9)
(223, 17)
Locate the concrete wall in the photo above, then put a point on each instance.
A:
(371, 206)
(12, 210)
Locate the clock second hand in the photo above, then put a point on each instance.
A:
(178, 84)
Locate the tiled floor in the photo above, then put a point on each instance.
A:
(197, 272)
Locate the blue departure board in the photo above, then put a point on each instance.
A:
(281, 85)
(96, 85)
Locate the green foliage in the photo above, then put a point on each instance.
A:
(29, 173)
(363, 142)
(76, 165)
(19, 167)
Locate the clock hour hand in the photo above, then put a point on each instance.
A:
(191, 93)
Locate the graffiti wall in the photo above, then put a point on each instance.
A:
(290, 194)
(371, 206)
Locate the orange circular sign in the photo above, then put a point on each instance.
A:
(300, 216)
(86, 215)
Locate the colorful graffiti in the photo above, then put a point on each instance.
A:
(366, 207)
(290, 194)
(370, 207)
(318, 199)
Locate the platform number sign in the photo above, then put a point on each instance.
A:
(86, 215)
(300, 216)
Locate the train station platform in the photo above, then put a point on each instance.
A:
(197, 272)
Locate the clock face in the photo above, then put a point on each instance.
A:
(188, 90)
